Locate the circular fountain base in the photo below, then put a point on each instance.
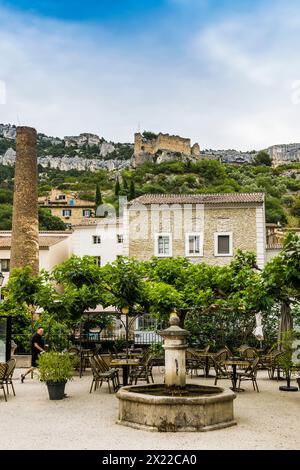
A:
(156, 408)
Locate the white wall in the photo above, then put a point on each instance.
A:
(55, 255)
(108, 249)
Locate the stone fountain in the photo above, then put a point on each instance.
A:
(175, 406)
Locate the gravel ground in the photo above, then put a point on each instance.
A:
(265, 420)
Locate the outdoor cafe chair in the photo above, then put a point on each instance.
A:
(249, 354)
(194, 362)
(3, 370)
(250, 374)
(142, 372)
(221, 371)
(11, 365)
(101, 374)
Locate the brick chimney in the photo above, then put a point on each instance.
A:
(25, 227)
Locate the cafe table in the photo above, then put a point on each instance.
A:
(234, 363)
(125, 364)
(207, 356)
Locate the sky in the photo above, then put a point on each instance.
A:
(225, 73)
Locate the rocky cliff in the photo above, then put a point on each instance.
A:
(66, 163)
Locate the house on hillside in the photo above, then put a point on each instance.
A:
(68, 207)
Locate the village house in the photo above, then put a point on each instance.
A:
(68, 207)
(202, 227)
(54, 248)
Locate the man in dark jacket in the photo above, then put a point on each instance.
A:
(37, 348)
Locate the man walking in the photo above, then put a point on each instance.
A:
(37, 348)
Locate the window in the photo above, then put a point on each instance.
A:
(4, 265)
(86, 212)
(146, 323)
(194, 244)
(96, 239)
(66, 212)
(61, 197)
(223, 244)
(97, 260)
(163, 245)
(120, 238)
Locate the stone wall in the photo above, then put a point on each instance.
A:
(240, 221)
(25, 230)
(172, 143)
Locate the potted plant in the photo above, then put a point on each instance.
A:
(55, 370)
(285, 359)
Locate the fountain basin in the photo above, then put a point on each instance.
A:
(154, 407)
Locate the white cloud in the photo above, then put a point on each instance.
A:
(227, 85)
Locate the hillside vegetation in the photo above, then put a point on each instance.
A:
(281, 185)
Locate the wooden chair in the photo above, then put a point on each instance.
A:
(250, 374)
(3, 371)
(11, 365)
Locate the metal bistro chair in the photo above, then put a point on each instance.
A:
(101, 374)
(250, 374)
(3, 370)
(221, 371)
(11, 365)
(194, 362)
(142, 372)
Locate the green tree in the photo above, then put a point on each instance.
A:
(281, 279)
(263, 158)
(132, 193)
(117, 187)
(47, 221)
(125, 184)
(98, 199)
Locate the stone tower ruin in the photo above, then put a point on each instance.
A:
(25, 226)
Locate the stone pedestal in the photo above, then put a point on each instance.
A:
(175, 351)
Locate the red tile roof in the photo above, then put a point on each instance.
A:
(227, 198)
(44, 242)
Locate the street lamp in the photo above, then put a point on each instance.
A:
(1, 283)
(125, 311)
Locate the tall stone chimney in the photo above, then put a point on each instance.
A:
(25, 226)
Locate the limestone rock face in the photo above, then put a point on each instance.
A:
(106, 148)
(66, 163)
(283, 154)
(196, 150)
(25, 228)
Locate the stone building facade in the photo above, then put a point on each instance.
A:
(68, 207)
(205, 228)
(151, 149)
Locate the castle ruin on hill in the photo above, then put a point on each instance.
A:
(162, 147)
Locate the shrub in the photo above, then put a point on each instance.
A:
(55, 367)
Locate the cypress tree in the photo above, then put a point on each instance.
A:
(125, 185)
(117, 187)
(132, 190)
(98, 199)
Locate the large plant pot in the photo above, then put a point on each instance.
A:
(56, 390)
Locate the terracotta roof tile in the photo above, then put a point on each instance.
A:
(44, 242)
(227, 198)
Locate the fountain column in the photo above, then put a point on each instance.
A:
(175, 346)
